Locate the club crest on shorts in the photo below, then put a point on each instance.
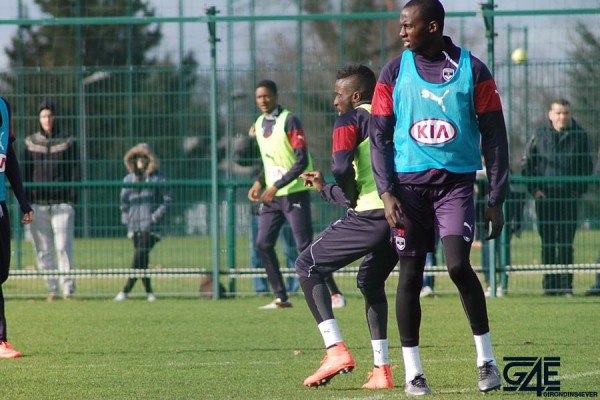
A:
(399, 238)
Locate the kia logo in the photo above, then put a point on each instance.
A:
(433, 131)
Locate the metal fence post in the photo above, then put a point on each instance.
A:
(214, 215)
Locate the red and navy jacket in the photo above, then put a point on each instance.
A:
(350, 130)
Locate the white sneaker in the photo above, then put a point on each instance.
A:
(499, 291)
(338, 301)
(277, 303)
(151, 297)
(120, 296)
(427, 291)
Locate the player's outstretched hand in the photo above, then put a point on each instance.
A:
(313, 178)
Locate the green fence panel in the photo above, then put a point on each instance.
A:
(167, 103)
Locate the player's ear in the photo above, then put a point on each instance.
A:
(356, 97)
(434, 27)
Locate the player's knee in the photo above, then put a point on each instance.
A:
(263, 246)
(410, 277)
(459, 271)
(374, 294)
(302, 265)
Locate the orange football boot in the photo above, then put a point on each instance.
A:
(338, 360)
(380, 378)
(7, 351)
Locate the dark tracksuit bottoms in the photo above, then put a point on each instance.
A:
(4, 264)
(295, 208)
(365, 234)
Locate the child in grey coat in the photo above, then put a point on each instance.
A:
(142, 210)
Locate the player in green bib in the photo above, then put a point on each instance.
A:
(362, 232)
(279, 189)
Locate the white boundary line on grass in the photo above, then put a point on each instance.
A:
(579, 375)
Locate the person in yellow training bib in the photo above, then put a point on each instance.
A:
(363, 232)
(279, 188)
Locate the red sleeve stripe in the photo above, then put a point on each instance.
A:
(297, 138)
(344, 138)
(382, 103)
(487, 98)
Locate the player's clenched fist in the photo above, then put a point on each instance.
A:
(254, 192)
(313, 178)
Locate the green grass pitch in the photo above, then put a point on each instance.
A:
(186, 348)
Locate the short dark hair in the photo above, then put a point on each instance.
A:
(365, 78)
(560, 101)
(431, 10)
(48, 104)
(269, 84)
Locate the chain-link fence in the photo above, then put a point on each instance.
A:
(192, 100)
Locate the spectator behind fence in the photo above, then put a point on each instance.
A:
(595, 289)
(431, 262)
(514, 226)
(558, 150)
(143, 210)
(52, 160)
(12, 172)
(436, 109)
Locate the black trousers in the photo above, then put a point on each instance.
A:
(557, 223)
(295, 208)
(143, 242)
(4, 264)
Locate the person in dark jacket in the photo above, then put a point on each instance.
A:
(557, 150)
(594, 290)
(142, 210)
(52, 157)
